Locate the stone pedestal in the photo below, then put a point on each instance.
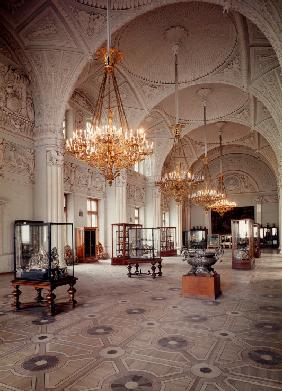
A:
(201, 287)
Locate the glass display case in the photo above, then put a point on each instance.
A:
(242, 244)
(213, 241)
(120, 243)
(195, 238)
(168, 241)
(257, 251)
(269, 236)
(41, 251)
(226, 241)
(86, 241)
(144, 243)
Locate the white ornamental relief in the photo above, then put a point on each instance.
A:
(16, 105)
(82, 179)
(16, 159)
(55, 158)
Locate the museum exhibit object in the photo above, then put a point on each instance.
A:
(242, 244)
(120, 243)
(226, 241)
(168, 241)
(42, 259)
(86, 242)
(213, 241)
(196, 237)
(257, 250)
(269, 236)
(144, 247)
(201, 281)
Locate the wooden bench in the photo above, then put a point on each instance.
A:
(50, 286)
(155, 263)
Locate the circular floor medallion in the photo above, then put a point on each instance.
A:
(111, 352)
(100, 330)
(271, 308)
(42, 338)
(266, 357)
(135, 381)
(173, 342)
(195, 318)
(205, 370)
(268, 326)
(43, 321)
(134, 311)
(40, 363)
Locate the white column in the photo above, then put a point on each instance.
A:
(121, 198)
(49, 176)
(259, 210)
(186, 219)
(152, 206)
(207, 217)
(176, 221)
(280, 214)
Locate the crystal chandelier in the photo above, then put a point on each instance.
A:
(224, 205)
(177, 184)
(206, 194)
(108, 147)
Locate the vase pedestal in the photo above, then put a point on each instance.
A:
(201, 287)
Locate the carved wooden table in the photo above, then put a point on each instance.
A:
(155, 263)
(50, 286)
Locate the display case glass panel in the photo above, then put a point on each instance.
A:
(213, 241)
(242, 243)
(196, 238)
(42, 249)
(144, 243)
(168, 241)
(257, 251)
(120, 242)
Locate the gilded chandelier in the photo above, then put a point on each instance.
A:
(179, 183)
(224, 205)
(108, 147)
(206, 194)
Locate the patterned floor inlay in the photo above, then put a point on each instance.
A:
(141, 334)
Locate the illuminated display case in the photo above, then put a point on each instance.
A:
(120, 243)
(41, 251)
(226, 241)
(144, 243)
(242, 244)
(86, 240)
(269, 236)
(213, 241)
(195, 238)
(168, 241)
(257, 251)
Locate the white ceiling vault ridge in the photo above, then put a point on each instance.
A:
(232, 47)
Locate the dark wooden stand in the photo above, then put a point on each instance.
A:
(202, 287)
(155, 263)
(243, 265)
(50, 286)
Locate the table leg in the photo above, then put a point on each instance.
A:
(160, 269)
(39, 298)
(71, 292)
(137, 268)
(129, 267)
(16, 294)
(153, 271)
(51, 302)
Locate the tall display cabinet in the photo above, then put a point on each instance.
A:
(168, 241)
(86, 240)
(257, 250)
(242, 244)
(120, 242)
(269, 236)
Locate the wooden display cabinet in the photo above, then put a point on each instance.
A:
(86, 239)
(242, 244)
(167, 238)
(257, 250)
(120, 244)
